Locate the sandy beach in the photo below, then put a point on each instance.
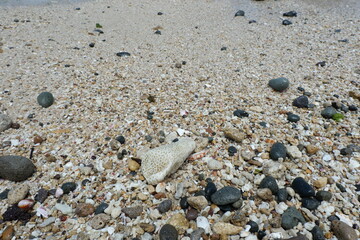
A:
(191, 64)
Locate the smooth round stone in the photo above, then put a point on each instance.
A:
(278, 150)
(68, 187)
(84, 209)
(232, 150)
(346, 151)
(254, 227)
(302, 187)
(191, 214)
(353, 108)
(5, 122)
(343, 231)
(240, 113)
(210, 189)
(269, 182)
(165, 206)
(123, 54)
(328, 112)
(101, 208)
(291, 217)
(120, 139)
(132, 212)
(282, 195)
(168, 232)
(45, 99)
(238, 204)
(310, 203)
(340, 187)
(290, 14)
(240, 13)
(279, 84)
(323, 195)
(4, 194)
(293, 118)
(16, 168)
(317, 233)
(301, 102)
(286, 22)
(184, 203)
(226, 195)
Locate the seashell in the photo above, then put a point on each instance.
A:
(59, 192)
(42, 212)
(197, 155)
(26, 203)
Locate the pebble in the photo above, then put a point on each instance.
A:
(240, 113)
(47, 222)
(184, 203)
(210, 189)
(133, 165)
(301, 102)
(198, 202)
(68, 187)
(317, 233)
(226, 195)
(328, 112)
(165, 206)
(133, 212)
(290, 14)
(5, 122)
(147, 227)
(18, 193)
(16, 213)
(4, 194)
(326, 157)
(278, 150)
(223, 228)
(16, 168)
(191, 214)
(64, 208)
(164, 160)
(101, 208)
(340, 187)
(168, 232)
(84, 209)
(293, 118)
(123, 54)
(320, 183)
(265, 194)
(286, 22)
(311, 149)
(343, 231)
(310, 203)
(45, 99)
(282, 195)
(120, 139)
(300, 237)
(196, 234)
(254, 227)
(274, 169)
(203, 222)
(234, 134)
(8, 233)
(214, 164)
(302, 187)
(38, 140)
(294, 152)
(238, 204)
(232, 150)
(291, 218)
(179, 221)
(99, 221)
(240, 13)
(279, 84)
(114, 145)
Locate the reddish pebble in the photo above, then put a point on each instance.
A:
(8, 233)
(84, 209)
(160, 195)
(38, 139)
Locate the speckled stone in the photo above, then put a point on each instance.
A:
(168, 232)
(343, 231)
(310, 203)
(301, 102)
(165, 160)
(323, 195)
(165, 206)
(223, 228)
(16, 168)
(198, 202)
(99, 221)
(317, 233)
(84, 209)
(132, 212)
(18, 193)
(68, 187)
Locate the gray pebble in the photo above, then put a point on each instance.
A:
(328, 112)
(45, 99)
(226, 195)
(279, 84)
(16, 168)
(5, 122)
(18, 193)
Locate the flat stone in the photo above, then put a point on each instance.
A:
(320, 183)
(278, 150)
(16, 168)
(162, 161)
(291, 218)
(168, 232)
(99, 221)
(302, 187)
(191, 214)
(133, 212)
(279, 84)
(223, 228)
(198, 202)
(328, 112)
(234, 134)
(310, 203)
(18, 193)
(282, 195)
(226, 195)
(214, 164)
(343, 231)
(203, 222)
(5, 122)
(293, 152)
(301, 102)
(323, 195)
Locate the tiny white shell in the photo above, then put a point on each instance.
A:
(42, 212)
(59, 192)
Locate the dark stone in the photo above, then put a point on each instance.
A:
(323, 195)
(310, 203)
(16, 213)
(340, 187)
(45, 99)
(16, 168)
(333, 217)
(321, 64)
(85, 181)
(346, 151)
(252, 21)
(301, 102)
(286, 22)
(263, 124)
(92, 45)
(68, 187)
(261, 235)
(4, 194)
(123, 54)
(120, 139)
(317, 233)
(269, 182)
(196, 234)
(223, 49)
(240, 113)
(353, 108)
(254, 226)
(226, 208)
(293, 118)
(278, 150)
(165, 206)
(101, 208)
(290, 14)
(279, 84)
(184, 203)
(282, 195)
(158, 32)
(302, 187)
(160, 13)
(357, 187)
(132, 212)
(148, 138)
(210, 189)
(168, 232)
(191, 214)
(328, 112)
(240, 13)
(199, 193)
(291, 217)
(232, 150)
(226, 195)
(41, 195)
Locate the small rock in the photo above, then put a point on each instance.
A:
(120, 139)
(99, 221)
(16, 168)
(320, 183)
(340, 187)
(346, 151)
(64, 208)
(114, 145)
(38, 140)
(290, 14)
(293, 152)
(302, 187)
(84, 209)
(184, 203)
(203, 222)
(123, 54)
(317, 233)
(133, 165)
(16, 213)
(293, 118)
(310, 203)
(8, 233)
(265, 194)
(311, 149)
(301, 102)
(234, 134)
(5, 122)
(282, 195)
(240, 13)
(279, 84)
(45, 99)
(254, 226)
(323, 196)
(4, 194)
(328, 112)
(214, 164)
(210, 189)
(133, 212)
(238, 204)
(223, 228)
(232, 150)
(191, 214)
(41, 195)
(180, 222)
(168, 232)
(226, 195)
(278, 150)
(196, 234)
(147, 227)
(18, 193)
(343, 231)
(291, 218)
(198, 202)
(68, 187)
(240, 113)
(165, 206)
(286, 22)
(101, 208)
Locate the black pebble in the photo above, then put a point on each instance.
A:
(302, 187)
(84, 182)
(123, 54)
(41, 195)
(290, 14)
(317, 233)
(223, 48)
(293, 118)
(346, 151)
(240, 13)
(68, 187)
(210, 189)
(263, 124)
(261, 235)
(232, 150)
(252, 21)
(120, 139)
(282, 195)
(332, 218)
(158, 32)
(278, 150)
(254, 226)
(4, 194)
(340, 187)
(269, 182)
(200, 193)
(159, 13)
(92, 45)
(286, 22)
(184, 203)
(310, 203)
(240, 113)
(323, 195)
(16, 213)
(357, 187)
(301, 102)
(226, 208)
(353, 108)
(168, 232)
(101, 208)
(165, 206)
(321, 64)
(77, 9)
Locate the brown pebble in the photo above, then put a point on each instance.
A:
(160, 195)
(50, 158)
(8, 233)
(147, 227)
(38, 139)
(311, 149)
(343, 231)
(84, 209)
(265, 194)
(15, 125)
(191, 214)
(133, 165)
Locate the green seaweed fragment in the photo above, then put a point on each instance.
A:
(337, 117)
(98, 25)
